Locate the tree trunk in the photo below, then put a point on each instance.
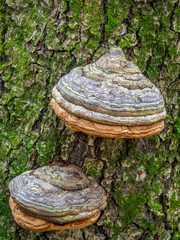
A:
(43, 40)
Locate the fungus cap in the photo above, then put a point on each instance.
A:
(109, 98)
(39, 195)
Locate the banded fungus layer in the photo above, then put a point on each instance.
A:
(109, 98)
(54, 198)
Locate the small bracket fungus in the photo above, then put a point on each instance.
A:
(55, 198)
(109, 98)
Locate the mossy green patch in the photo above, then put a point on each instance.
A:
(40, 41)
(117, 12)
(130, 205)
(92, 169)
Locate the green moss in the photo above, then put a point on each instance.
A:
(92, 21)
(117, 11)
(128, 41)
(116, 230)
(131, 205)
(19, 165)
(156, 188)
(92, 172)
(177, 126)
(153, 72)
(155, 207)
(152, 166)
(92, 169)
(44, 151)
(42, 40)
(174, 208)
(176, 236)
(75, 9)
(155, 140)
(5, 213)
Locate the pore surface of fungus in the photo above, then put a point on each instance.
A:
(37, 195)
(109, 98)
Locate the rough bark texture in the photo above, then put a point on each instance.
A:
(43, 40)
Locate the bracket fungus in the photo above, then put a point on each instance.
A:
(55, 198)
(109, 98)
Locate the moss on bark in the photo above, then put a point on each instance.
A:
(43, 40)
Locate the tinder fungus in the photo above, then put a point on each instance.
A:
(54, 198)
(109, 98)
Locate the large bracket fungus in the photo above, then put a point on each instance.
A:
(109, 98)
(55, 198)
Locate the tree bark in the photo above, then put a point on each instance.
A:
(43, 40)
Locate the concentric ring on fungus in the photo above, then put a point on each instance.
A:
(55, 197)
(109, 98)
(38, 225)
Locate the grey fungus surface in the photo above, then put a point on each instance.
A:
(69, 177)
(112, 91)
(73, 197)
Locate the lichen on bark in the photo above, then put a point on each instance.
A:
(43, 40)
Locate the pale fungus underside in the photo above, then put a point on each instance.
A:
(36, 195)
(109, 98)
(39, 225)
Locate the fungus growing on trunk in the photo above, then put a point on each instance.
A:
(55, 197)
(109, 98)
